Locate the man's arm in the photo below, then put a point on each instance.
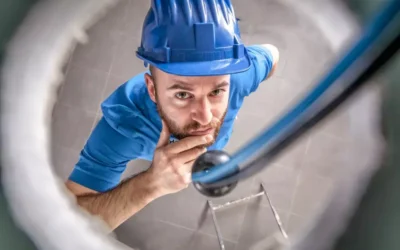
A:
(264, 59)
(170, 172)
(95, 178)
(117, 205)
(275, 55)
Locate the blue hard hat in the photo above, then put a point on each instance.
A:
(193, 38)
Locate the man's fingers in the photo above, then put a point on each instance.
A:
(191, 154)
(186, 171)
(187, 177)
(164, 136)
(189, 143)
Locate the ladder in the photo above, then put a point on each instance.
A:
(213, 208)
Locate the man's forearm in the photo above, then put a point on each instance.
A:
(120, 203)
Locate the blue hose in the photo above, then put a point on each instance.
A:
(371, 33)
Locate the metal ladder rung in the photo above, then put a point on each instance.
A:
(233, 202)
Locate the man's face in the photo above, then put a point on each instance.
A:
(190, 105)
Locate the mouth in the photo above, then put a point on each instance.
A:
(202, 132)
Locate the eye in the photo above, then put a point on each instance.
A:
(182, 95)
(217, 92)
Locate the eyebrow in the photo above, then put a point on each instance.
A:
(179, 85)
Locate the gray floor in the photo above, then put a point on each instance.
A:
(298, 181)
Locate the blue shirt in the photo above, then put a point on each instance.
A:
(131, 126)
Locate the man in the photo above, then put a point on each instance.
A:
(200, 72)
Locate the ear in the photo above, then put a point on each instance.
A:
(150, 87)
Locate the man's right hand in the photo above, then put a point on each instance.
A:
(171, 168)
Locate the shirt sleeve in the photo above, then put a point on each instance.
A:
(261, 65)
(104, 157)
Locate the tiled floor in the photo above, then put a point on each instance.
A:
(298, 181)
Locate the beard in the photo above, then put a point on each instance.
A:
(180, 132)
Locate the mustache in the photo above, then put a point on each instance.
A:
(197, 126)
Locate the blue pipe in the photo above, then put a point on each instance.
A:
(371, 33)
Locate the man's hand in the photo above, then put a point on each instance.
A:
(170, 172)
(171, 168)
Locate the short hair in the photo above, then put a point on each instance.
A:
(152, 70)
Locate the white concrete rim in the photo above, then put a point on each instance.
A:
(31, 73)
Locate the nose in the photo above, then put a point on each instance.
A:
(202, 112)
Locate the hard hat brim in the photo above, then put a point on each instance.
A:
(206, 68)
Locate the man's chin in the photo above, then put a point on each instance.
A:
(212, 132)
